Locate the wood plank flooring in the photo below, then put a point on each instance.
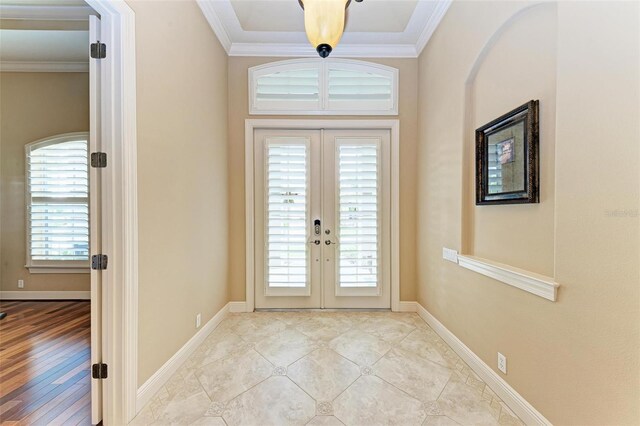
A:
(45, 349)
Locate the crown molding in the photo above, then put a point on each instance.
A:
(216, 24)
(27, 66)
(431, 25)
(306, 50)
(46, 13)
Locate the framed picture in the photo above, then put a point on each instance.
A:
(507, 165)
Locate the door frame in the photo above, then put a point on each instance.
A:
(119, 210)
(287, 124)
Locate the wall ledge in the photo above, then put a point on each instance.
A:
(537, 284)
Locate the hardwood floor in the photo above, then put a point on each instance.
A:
(44, 363)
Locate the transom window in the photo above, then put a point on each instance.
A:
(57, 195)
(323, 87)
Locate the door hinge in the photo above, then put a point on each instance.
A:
(99, 262)
(99, 371)
(98, 50)
(99, 159)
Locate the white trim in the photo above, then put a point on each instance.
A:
(235, 307)
(305, 50)
(531, 282)
(222, 25)
(46, 13)
(252, 124)
(164, 373)
(120, 210)
(52, 269)
(408, 307)
(527, 413)
(215, 23)
(45, 295)
(430, 27)
(43, 66)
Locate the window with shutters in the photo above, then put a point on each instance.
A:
(57, 197)
(323, 87)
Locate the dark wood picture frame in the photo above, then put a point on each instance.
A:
(528, 115)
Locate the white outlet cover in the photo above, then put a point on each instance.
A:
(20, 283)
(502, 363)
(198, 320)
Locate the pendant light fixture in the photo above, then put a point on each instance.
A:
(324, 23)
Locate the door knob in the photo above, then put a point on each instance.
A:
(316, 242)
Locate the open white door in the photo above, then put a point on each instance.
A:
(95, 217)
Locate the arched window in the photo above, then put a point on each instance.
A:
(323, 87)
(57, 197)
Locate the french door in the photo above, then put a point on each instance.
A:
(322, 218)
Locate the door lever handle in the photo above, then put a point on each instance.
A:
(329, 242)
(316, 242)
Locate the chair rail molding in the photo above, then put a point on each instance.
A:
(531, 282)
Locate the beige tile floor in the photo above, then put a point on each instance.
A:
(325, 368)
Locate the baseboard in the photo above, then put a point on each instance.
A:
(408, 307)
(235, 307)
(45, 295)
(527, 413)
(164, 373)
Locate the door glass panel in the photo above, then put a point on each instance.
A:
(358, 212)
(287, 213)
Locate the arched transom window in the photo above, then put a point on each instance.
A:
(323, 87)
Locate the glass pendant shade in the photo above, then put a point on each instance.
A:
(324, 23)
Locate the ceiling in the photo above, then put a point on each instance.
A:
(44, 35)
(374, 28)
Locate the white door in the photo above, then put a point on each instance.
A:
(95, 216)
(322, 218)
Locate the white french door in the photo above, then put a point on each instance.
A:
(322, 218)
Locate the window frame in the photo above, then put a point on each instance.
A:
(52, 266)
(323, 108)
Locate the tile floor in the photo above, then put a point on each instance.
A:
(317, 368)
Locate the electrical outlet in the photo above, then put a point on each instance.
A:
(502, 363)
(450, 255)
(198, 320)
(20, 283)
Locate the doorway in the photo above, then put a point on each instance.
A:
(323, 216)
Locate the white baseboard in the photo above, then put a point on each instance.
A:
(164, 373)
(235, 307)
(45, 295)
(527, 413)
(408, 307)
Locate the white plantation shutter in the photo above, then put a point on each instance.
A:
(334, 86)
(359, 89)
(284, 88)
(58, 201)
(287, 213)
(358, 214)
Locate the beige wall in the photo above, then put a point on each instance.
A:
(575, 360)
(239, 111)
(33, 106)
(182, 176)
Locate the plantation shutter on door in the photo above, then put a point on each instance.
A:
(358, 214)
(287, 210)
